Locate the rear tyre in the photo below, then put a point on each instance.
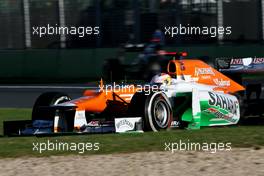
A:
(48, 99)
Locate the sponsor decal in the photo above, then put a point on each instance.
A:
(128, 124)
(223, 102)
(239, 61)
(206, 77)
(93, 123)
(258, 60)
(175, 124)
(188, 78)
(221, 82)
(124, 122)
(236, 62)
(220, 115)
(204, 71)
(42, 124)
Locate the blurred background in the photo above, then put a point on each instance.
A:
(28, 58)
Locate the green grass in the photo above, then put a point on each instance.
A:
(241, 136)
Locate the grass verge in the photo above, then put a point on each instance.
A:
(238, 136)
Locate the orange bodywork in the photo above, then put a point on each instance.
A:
(202, 73)
(95, 101)
(196, 70)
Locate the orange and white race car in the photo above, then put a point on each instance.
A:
(190, 95)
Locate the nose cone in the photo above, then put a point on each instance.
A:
(93, 103)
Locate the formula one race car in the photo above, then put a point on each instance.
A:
(190, 95)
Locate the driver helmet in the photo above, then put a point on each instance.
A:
(161, 78)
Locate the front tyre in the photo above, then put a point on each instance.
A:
(154, 109)
(158, 114)
(46, 100)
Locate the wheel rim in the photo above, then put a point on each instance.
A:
(161, 114)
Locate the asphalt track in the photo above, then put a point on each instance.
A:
(24, 96)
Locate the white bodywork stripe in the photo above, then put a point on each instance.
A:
(79, 119)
